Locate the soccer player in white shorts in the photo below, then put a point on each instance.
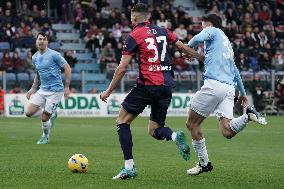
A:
(217, 94)
(48, 64)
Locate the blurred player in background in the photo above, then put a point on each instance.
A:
(217, 93)
(43, 102)
(154, 85)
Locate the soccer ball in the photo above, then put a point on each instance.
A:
(78, 163)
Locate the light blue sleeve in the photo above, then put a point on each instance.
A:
(239, 81)
(33, 60)
(59, 59)
(205, 35)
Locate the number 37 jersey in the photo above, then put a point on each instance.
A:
(151, 43)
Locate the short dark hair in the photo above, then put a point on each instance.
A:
(214, 19)
(140, 7)
(42, 34)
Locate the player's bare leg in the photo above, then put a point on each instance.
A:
(230, 127)
(198, 142)
(33, 110)
(46, 125)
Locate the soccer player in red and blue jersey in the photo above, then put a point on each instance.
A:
(154, 85)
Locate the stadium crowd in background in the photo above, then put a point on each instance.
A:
(256, 29)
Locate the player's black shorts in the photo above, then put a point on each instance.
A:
(159, 97)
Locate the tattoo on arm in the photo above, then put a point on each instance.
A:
(36, 81)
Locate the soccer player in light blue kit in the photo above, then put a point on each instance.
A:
(48, 64)
(217, 94)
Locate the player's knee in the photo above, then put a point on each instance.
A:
(45, 116)
(28, 114)
(227, 135)
(44, 119)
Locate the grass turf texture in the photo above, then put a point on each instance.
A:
(253, 159)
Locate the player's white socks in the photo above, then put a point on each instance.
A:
(129, 164)
(200, 148)
(239, 123)
(46, 128)
(174, 136)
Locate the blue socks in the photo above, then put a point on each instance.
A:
(125, 139)
(162, 133)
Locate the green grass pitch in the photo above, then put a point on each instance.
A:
(253, 159)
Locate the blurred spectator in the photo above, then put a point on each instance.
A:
(107, 55)
(36, 29)
(155, 15)
(7, 18)
(26, 12)
(180, 11)
(91, 34)
(29, 67)
(48, 31)
(73, 90)
(168, 12)
(181, 32)
(262, 39)
(99, 21)
(94, 90)
(265, 61)
(17, 19)
(179, 62)
(64, 11)
(2, 93)
(162, 21)
(257, 90)
(110, 39)
(78, 15)
(35, 11)
(7, 62)
(274, 40)
(42, 19)
(96, 43)
(249, 42)
(124, 20)
(101, 3)
(117, 31)
(9, 32)
(242, 62)
(16, 90)
(23, 30)
(18, 64)
(279, 95)
(70, 58)
(278, 17)
(113, 19)
(264, 14)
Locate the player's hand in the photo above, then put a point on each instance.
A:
(30, 93)
(243, 100)
(104, 95)
(186, 56)
(66, 92)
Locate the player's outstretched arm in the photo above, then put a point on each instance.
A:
(118, 74)
(67, 69)
(189, 52)
(34, 86)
